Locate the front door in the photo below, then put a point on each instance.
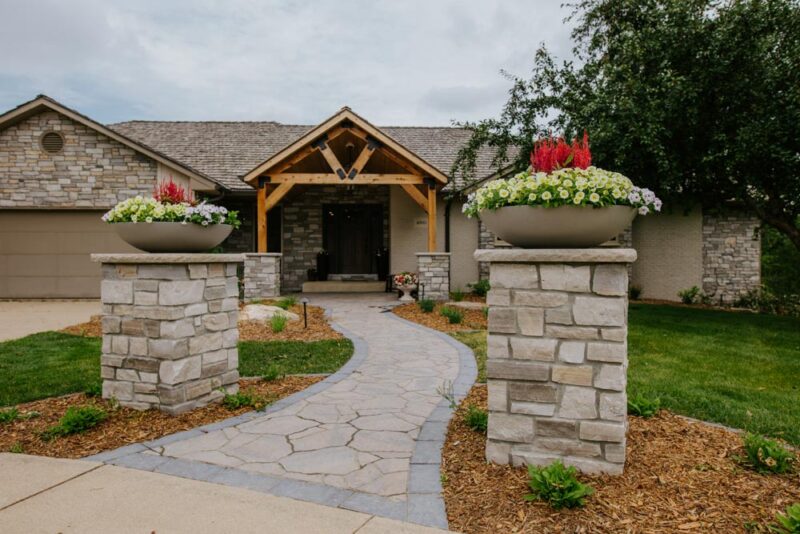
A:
(352, 234)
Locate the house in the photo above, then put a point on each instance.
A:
(343, 186)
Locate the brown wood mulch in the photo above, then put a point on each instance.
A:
(473, 319)
(680, 476)
(124, 425)
(318, 327)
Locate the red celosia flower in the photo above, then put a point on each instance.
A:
(550, 154)
(171, 193)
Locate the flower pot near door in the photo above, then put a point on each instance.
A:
(406, 282)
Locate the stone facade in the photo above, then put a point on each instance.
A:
(243, 239)
(302, 224)
(433, 275)
(170, 329)
(262, 276)
(731, 254)
(557, 357)
(92, 170)
(485, 242)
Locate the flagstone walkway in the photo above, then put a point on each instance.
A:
(367, 438)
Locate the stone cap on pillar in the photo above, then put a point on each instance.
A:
(263, 254)
(433, 254)
(145, 257)
(557, 255)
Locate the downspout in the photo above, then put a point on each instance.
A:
(447, 224)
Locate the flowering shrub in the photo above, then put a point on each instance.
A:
(551, 154)
(171, 193)
(148, 210)
(405, 279)
(563, 187)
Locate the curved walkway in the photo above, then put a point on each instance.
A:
(367, 438)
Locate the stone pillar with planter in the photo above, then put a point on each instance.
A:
(557, 356)
(262, 276)
(170, 329)
(433, 275)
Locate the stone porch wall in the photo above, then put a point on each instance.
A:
(243, 239)
(92, 171)
(302, 224)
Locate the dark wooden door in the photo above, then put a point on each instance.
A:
(352, 234)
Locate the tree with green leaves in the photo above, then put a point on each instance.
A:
(698, 100)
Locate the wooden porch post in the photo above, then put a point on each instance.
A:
(431, 215)
(261, 217)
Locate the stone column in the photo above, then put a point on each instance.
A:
(557, 356)
(433, 272)
(170, 329)
(262, 276)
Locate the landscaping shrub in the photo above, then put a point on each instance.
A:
(272, 374)
(766, 455)
(278, 323)
(457, 295)
(245, 399)
(558, 485)
(286, 302)
(480, 288)
(453, 315)
(789, 522)
(763, 301)
(426, 305)
(17, 448)
(8, 416)
(95, 389)
(693, 295)
(75, 420)
(635, 292)
(642, 406)
(476, 418)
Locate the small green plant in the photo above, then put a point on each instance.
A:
(457, 295)
(485, 311)
(286, 302)
(558, 485)
(480, 288)
(278, 323)
(272, 374)
(635, 292)
(642, 406)
(426, 305)
(245, 399)
(75, 420)
(766, 455)
(453, 315)
(9, 416)
(476, 418)
(17, 448)
(788, 522)
(689, 296)
(95, 389)
(447, 391)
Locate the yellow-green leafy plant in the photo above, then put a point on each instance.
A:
(557, 485)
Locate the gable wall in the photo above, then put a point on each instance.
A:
(92, 171)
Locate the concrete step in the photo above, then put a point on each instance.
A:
(344, 286)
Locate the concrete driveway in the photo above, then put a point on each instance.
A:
(20, 318)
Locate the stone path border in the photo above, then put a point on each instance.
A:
(425, 505)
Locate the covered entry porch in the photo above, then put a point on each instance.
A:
(325, 202)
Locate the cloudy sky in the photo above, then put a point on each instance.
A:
(401, 62)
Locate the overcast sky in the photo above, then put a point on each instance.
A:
(400, 62)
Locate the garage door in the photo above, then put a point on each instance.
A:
(45, 254)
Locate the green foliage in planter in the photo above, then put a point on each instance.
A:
(476, 418)
(766, 455)
(245, 399)
(642, 406)
(453, 315)
(480, 288)
(278, 323)
(788, 522)
(457, 295)
(558, 485)
(286, 302)
(426, 305)
(76, 419)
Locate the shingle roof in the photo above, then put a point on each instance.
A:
(225, 151)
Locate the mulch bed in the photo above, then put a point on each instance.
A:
(318, 327)
(124, 425)
(473, 319)
(680, 476)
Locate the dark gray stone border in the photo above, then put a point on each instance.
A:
(424, 505)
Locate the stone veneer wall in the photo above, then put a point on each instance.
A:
(433, 275)
(92, 171)
(302, 224)
(262, 276)
(731, 254)
(557, 356)
(170, 329)
(485, 242)
(243, 239)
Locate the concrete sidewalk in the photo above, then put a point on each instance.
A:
(24, 317)
(54, 495)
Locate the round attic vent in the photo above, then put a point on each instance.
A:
(52, 142)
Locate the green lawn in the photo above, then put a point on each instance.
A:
(738, 369)
(51, 363)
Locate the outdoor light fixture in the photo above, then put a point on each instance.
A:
(305, 312)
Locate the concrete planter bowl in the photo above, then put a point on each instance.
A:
(172, 236)
(562, 227)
